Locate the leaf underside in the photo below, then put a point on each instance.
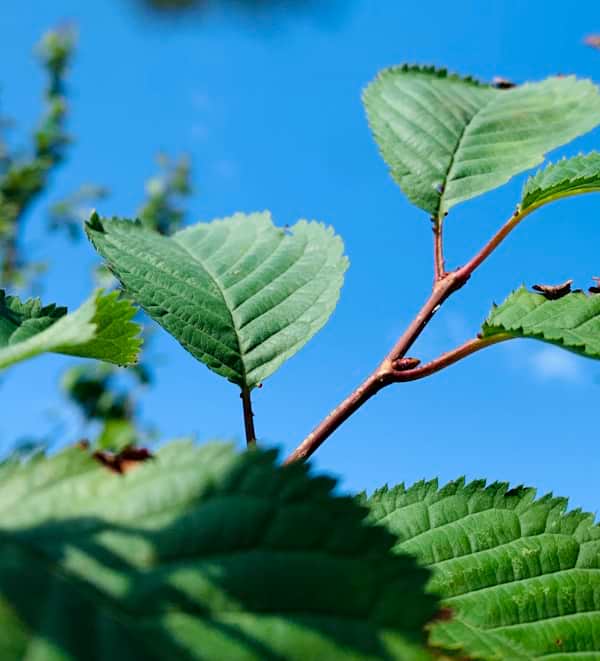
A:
(519, 577)
(199, 553)
(101, 328)
(447, 139)
(240, 294)
(571, 322)
(570, 176)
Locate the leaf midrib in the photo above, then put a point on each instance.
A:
(228, 305)
(453, 157)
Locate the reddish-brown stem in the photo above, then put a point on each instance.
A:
(248, 417)
(449, 358)
(494, 242)
(382, 376)
(372, 385)
(450, 283)
(445, 284)
(439, 267)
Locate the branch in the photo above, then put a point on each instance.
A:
(497, 239)
(248, 417)
(383, 375)
(391, 369)
(449, 358)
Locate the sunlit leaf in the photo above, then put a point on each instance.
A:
(519, 578)
(101, 328)
(571, 176)
(571, 322)
(240, 294)
(448, 139)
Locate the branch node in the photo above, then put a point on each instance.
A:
(404, 364)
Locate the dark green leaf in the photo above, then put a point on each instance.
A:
(199, 553)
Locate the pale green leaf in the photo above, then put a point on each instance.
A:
(519, 577)
(448, 139)
(571, 322)
(240, 294)
(570, 176)
(101, 328)
(198, 553)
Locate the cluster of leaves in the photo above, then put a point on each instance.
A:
(205, 553)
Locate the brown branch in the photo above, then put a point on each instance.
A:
(450, 357)
(442, 289)
(248, 417)
(382, 376)
(496, 240)
(390, 370)
(371, 386)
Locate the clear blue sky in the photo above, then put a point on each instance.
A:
(271, 116)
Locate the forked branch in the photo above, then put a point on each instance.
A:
(391, 370)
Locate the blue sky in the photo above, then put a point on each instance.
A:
(270, 113)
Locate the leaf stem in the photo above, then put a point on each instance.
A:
(439, 267)
(248, 417)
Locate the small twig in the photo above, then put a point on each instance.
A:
(372, 385)
(450, 357)
(386, 373)
(248, 417)
(445, 284)
(383, 375)
(494, 242)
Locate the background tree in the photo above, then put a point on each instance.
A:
(102, 394)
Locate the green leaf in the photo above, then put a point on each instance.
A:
(448, 139)
(240, 294)
(198, 553)
(570, 176)
(519, 577)
(101, 328)
(571, 322)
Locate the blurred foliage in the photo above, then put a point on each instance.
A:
(162, 211)
(69, 213)
(183, 5)
(253, 10)
(23, 176)
(104, 395)
(97, 389)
